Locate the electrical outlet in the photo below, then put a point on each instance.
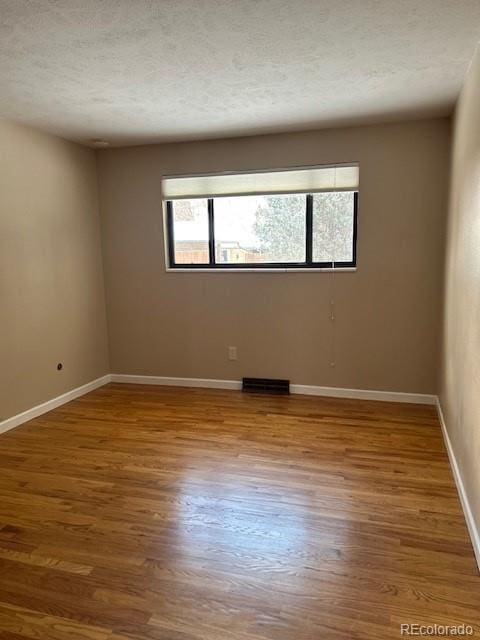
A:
(232, 353)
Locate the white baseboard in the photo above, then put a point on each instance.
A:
(205, 383)
(363, 394)
(332, 392)
(467, 512)
(34, 412)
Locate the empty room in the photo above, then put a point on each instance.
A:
(239, 319)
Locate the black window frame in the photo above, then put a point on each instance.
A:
(307, 264)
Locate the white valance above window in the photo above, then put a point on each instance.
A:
(342, 177)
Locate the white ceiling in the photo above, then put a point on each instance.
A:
(133, 71)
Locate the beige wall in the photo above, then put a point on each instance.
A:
(460, 384)
(388, 313)
(51, 282)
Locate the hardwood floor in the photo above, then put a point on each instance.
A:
(150, 513)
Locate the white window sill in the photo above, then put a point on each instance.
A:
(266, 270)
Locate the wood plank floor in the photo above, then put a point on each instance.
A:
(151, 513)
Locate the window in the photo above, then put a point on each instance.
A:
(234, 225)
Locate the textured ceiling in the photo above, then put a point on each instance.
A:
(135, 71)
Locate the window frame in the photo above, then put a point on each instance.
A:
(307, 264)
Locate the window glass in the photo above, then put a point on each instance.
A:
(333, 225)
(190, 231)
(260, 229)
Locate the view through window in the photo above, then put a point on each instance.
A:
(333, 226)
(259, 229)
